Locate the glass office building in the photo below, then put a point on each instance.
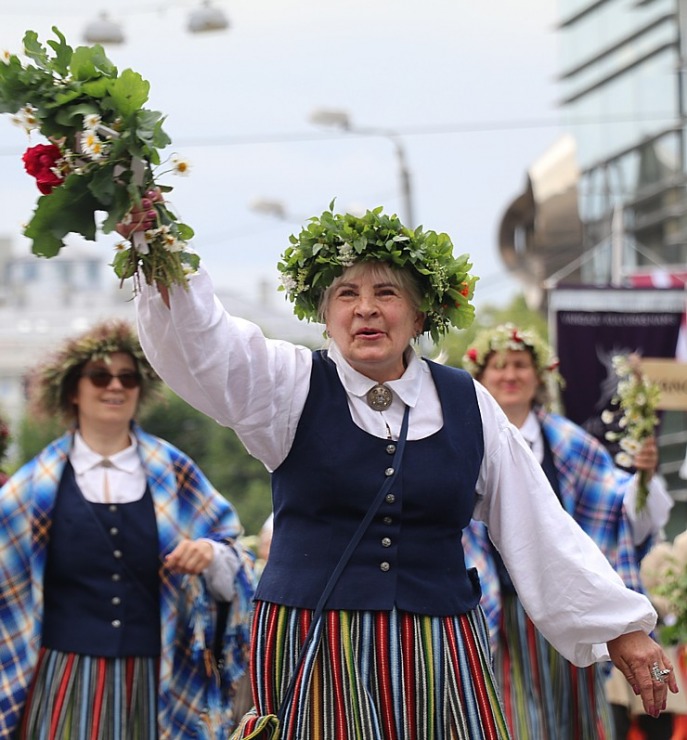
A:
(622, 97)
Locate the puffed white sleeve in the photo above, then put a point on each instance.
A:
(650, 520)
(220, 574)
(224, 366)
(568, 588)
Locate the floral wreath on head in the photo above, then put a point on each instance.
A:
(329, 244)
(504, 337)
(101, 156)
(98, 343)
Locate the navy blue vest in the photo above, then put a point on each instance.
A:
(411, 555)
(101, 584)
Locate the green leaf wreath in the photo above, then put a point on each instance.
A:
(330, 243)
(102, 155)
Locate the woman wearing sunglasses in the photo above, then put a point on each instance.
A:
(116, 554)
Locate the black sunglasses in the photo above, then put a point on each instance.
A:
(102, 378)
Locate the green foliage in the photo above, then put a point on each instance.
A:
(242, 479)
(455, 344)
(327, 245)
(108, 144)
(34, 434)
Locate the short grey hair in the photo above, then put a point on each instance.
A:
(399, 277)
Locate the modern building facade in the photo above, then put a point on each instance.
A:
(623, 99)
(607, 204)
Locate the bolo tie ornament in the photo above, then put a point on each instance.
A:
(379, 397)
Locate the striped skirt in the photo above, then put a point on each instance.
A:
(377, 675)
(83, 698)
(545, 696)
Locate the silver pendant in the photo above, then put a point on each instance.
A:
(379, 397)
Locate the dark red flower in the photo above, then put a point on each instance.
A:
(472, 354)
(40, 161)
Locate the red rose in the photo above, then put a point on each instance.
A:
(472, 354)
(40, 161)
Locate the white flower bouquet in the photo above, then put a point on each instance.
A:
(637, 398)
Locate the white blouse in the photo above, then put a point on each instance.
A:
(120, 479)
(225, 367)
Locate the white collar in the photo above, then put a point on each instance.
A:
(531, 428)
(83, 458)
(407, 387)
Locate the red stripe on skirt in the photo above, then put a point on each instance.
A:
(575, 688)
(506, 693)
(98, 696)
(408, 645)
(303, 626)
(386, 698)
(337, 670)
(129, 681)
(59, 698)
(269, 672)
(452, 646)
(29, 697)
(477, 672)
(532, 648)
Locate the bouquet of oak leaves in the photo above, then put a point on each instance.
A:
(101, 154)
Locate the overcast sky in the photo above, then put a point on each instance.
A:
(468, 86)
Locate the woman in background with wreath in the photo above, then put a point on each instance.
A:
(545, 695)
(115, 555)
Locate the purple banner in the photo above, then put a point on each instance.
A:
(586, 340)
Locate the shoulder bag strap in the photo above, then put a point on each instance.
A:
(343, 561)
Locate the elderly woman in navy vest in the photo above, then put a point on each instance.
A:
(402, 650)
(115, 553)
(544, 694)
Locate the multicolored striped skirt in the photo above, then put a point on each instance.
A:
(377, 675)
(84, 698)
(545, 696)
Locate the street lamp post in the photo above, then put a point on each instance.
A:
(341, 119)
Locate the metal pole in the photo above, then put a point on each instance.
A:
(341, 119)
(617, 243)
(406, 186)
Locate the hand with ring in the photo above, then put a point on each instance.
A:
(646, 667)
(658, 673)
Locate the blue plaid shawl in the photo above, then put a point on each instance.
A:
(592, 490)
(191, 701)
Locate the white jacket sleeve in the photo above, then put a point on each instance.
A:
(654, 516)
